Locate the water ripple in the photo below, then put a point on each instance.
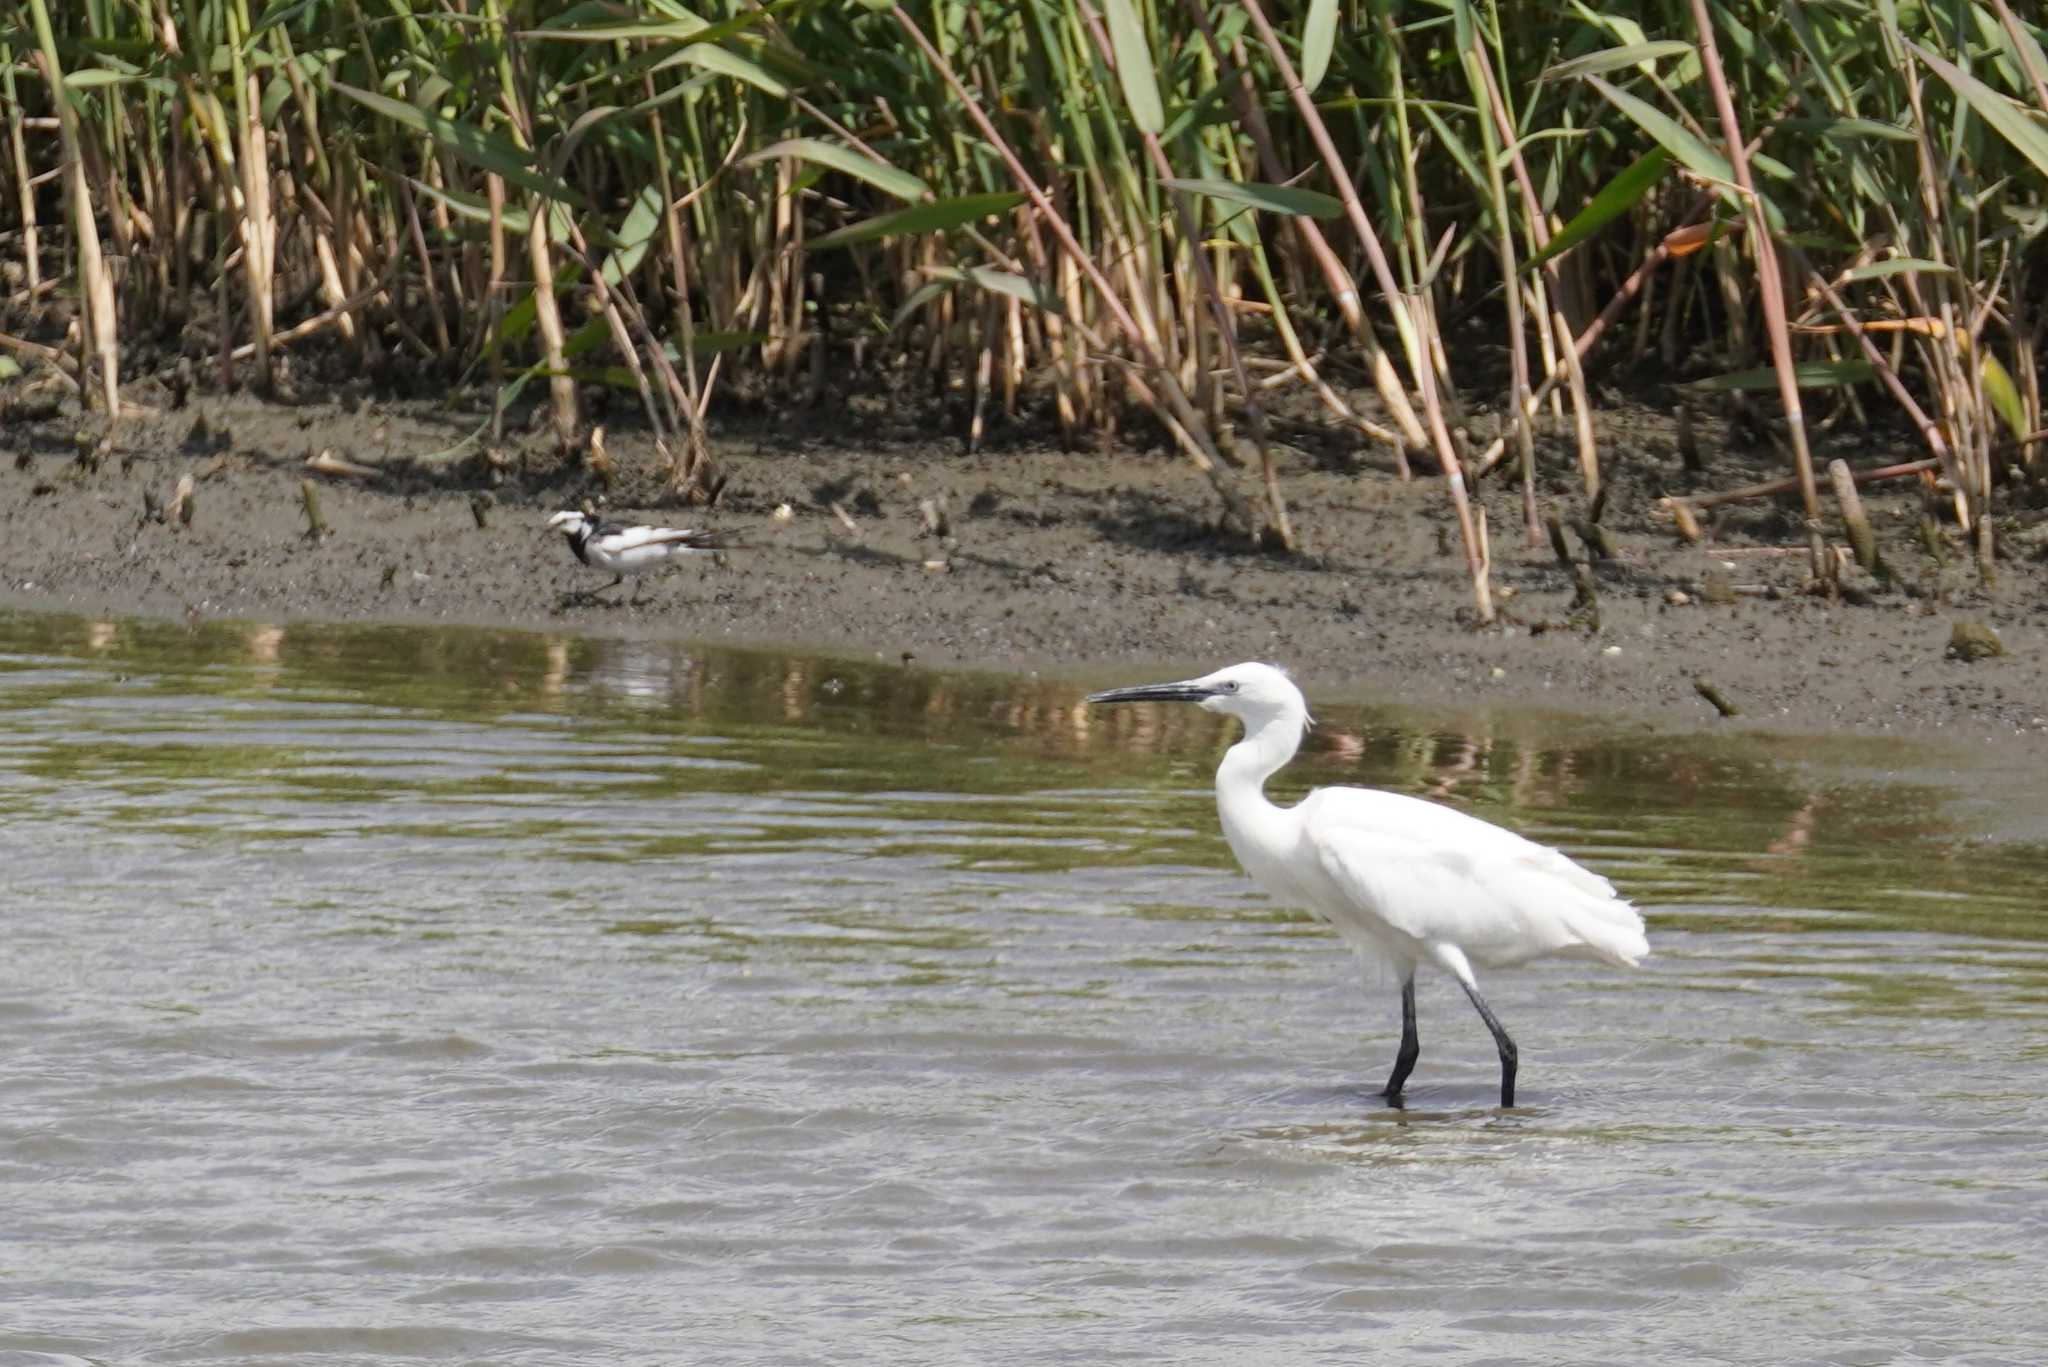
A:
(386, 996)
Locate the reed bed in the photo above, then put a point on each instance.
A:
(1108, 212)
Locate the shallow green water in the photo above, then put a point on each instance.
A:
(398, 993)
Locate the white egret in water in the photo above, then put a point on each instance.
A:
(1403, 880)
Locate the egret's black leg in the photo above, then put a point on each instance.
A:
(1411, 1047)
(1501, 1041)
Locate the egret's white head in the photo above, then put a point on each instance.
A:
(568, 523)
(1254, 693)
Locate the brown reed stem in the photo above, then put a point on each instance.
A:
(1790, 484)
(1191, 431)
(24, 183)
(99, 349)
(1770, 283)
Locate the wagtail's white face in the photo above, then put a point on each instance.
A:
(568, 523)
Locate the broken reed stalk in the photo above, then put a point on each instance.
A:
(1682, 515)
(1624, 294)
(1688, 441)
(984, 374)
(309, 498)
(1714, 695)
(1495, 132)
(1599, 542)
(1637, 284)
(1961, 395)
(1770, 283)
(494, 302)
(539, 251)
(1409, 311)
(1930, 527)
(1584, 594)
(1582, 413)
(252, 166)
(1887, 374)
(1454, 476)
(1861, 539)
(1559, 547)
(1346, 293)
(24, 181)
(612, 307)
(548, 320)
(1219, 307)
(57, 359)
(1354, 210)
(99, 347)
(1343, 289)
(1548, 288)
(337, 317)
(1790, 484)
(1187, 425)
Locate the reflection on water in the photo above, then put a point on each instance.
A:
(376, 994)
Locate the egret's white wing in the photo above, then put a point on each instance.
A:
(1432, 873)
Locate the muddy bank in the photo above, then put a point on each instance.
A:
(1097, 566)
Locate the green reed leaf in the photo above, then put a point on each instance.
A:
(477, 146)
(850, 160)
(1274, 199)
(2026, 136)
(1318, 40)
(1808, 375)
(1642, 55)
(922, 218)
(1668, 133)
(1134, 70)
(1616, 198)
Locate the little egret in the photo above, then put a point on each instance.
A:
(620, 550)
(1403, 881)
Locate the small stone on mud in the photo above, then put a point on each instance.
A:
(1678, 598)
(1612, 650)
(1974, 641)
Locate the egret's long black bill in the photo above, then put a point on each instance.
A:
(1170, 692)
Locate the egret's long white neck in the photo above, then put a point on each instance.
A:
(1241, 778)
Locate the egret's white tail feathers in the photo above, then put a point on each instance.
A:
(1568, 910)
(1607, 928)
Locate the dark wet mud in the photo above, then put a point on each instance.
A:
(1089, 564)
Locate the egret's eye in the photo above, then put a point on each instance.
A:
(1230, 685)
